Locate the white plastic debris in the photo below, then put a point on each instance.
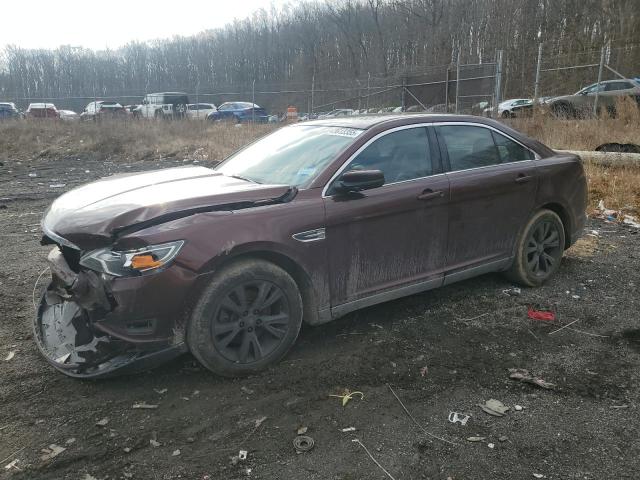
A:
(12, 465)
(51, 452)
(154, 443)
(242, 455)
(348, 429)
(103, 422)
(144, 406)
(491, 445)
(518, 408)
(10, 355)
(176, 453)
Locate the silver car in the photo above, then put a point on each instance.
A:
(580, 104)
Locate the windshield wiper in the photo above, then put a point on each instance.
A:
(240, 177)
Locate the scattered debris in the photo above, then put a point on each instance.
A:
(12, 465)
(423, 371)
(51, 452)
(302, 430)
(352, 429)
(348, 396)
(538, 475)
(616, 215)
(512, 292)
(415, 421)
(70, 441)
(246, 390)
(33, 175)
(103, 422)
(455, 417)
(565, 326)
(176, 453)
(154, 443)
(491, 445)
(303, 443)
(518, 408)
(494, 407)
(57, 185)
(545, 316)
(242, 455)
(126, 449)
(476, 439)
(88, 476)
(524, 376)
(144, 406)
(503, 438)
(161, 392)
(372, 458)
(10, 355)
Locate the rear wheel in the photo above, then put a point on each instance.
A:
(562, 111)
(539, 249)
(247, 318)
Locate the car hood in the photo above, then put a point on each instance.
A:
(93, 215)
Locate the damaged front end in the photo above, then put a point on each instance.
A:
(77, 328)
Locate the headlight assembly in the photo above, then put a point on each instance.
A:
(131, 262)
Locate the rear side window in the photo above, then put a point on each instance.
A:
(613, 86)
(509, 150)
(401, 155)
(469, 146)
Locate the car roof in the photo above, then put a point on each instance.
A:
(365, 122)
(167, 93)
(41, 105)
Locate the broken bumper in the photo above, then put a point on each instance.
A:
(90, 325)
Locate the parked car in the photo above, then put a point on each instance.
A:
(164, 105)
(415, 108)
(102, 109)
(131, 108)
(8, 110)
(42, 110)
(580, 104)
(338, 112)
(511, 108)
(68, 115)
(200, 110)
(239, 112)
(307, 224)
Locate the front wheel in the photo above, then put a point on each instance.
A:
(539, 249)
(247, 318)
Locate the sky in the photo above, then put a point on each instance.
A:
(99, 24)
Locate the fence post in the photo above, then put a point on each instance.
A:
(537, 84)
(446, 91)
(403, 97)
(600, 68)
(457, 79)
(313, 87)
(498, 83)
(253, 101)
(368, 89)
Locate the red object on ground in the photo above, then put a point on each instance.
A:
(540, 315)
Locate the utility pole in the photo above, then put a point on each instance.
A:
(537, 84)
(457, 79)
(498, 83)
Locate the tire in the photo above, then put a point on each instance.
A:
(506, 114)
(539, 250)
(243, 342)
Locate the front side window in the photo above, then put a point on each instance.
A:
(400, 155)
(293, 155)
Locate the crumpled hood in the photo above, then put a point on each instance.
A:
(91, 215)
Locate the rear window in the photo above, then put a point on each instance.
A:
(176, 99)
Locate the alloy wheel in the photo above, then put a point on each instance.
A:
(250, 322)
(543, 249)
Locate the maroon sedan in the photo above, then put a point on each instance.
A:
(307, 224)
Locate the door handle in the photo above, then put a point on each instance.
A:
(522, 178)
(429, 194)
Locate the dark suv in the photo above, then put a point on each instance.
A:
(306, 225)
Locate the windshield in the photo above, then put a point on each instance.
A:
(290, 156)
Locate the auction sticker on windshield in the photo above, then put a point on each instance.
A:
(345, 132)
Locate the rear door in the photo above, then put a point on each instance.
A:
(395, 235)
(493, 183)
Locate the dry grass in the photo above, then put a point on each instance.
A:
(123, 141)
(619, 187)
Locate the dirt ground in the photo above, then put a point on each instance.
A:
(464, 338)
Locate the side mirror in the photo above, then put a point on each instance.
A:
(358, 180)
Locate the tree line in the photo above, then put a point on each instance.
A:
(332, 44)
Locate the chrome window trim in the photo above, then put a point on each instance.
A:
(422, 125)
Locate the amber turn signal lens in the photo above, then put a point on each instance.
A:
(144, 261)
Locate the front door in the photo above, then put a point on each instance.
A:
(395, 235)
(493, 182)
